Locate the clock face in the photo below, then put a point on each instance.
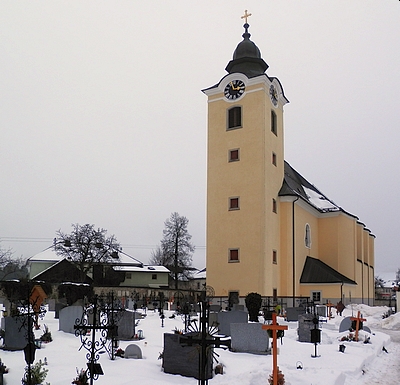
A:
(273, 93)
(234, 89)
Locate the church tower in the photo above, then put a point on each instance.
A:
(245, 171)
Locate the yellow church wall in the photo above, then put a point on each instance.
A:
(256, 182)
(286, 246)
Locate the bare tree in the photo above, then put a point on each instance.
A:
(86, 246)
(11, 267)
(176, 250)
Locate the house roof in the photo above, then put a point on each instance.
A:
(201, 274)
(61, 271)
(49, 255)
(144, 268)
(315, 271)
(294, 184)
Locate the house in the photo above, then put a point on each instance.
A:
(269, 230)
(125, 272)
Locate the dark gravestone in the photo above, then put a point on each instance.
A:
(249, 338)
(305, 326)
(226, 318)
(182, 359)
(52, 304)
(58, 307)
(345, 325)
(292, 313)
(15, 334)
(68, 317)
(215, 308)
(126, 325)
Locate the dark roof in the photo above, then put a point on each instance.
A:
(316, 271)
(62, 271)
(294, 184)
(247, 58)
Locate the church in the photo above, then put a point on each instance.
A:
(269, 230)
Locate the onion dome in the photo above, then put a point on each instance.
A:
(247, 58)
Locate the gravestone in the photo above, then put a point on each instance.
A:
(58, 307)
(345, 325)
(238, 307)
(52, 304)
(305, 326)
(182, 359)
(133, 351)
(321, 310)
(215, 308)
(226, 318)
(249, 338)
(67, 318)
(213, 319)
(126, 325)
(292, 313)
(15, 335)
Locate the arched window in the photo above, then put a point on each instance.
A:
(307, 236)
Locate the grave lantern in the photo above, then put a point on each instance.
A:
(315, 336)
(29, 353)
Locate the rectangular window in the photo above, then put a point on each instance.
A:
(234, 117)
(154, 276)
(274, 257)
(234, 155)
(234, 203)
(275, 294)
(274, 159)
(316, 296)
(274, 209)
(274, 123)
(128, 276)
(233, 255)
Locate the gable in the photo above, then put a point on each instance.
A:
(63, 271)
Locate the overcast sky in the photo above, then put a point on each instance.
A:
(103, 120)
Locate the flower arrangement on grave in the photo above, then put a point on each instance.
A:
(46, 336)
(348, 337)
(36, 375)
(120, 352)
(253, 303)
(81, 378)
(281, 378)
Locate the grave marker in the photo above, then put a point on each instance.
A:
(358, 320)
(274, 327)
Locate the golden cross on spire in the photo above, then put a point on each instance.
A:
(245, 16)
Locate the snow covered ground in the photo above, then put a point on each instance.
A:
(361, 363)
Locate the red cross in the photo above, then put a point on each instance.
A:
(358, 319)
(274, 327)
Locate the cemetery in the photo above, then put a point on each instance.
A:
(104, 339)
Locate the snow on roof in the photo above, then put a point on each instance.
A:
(319, 200)
(145, 268)
(47, 255)
(201, 274)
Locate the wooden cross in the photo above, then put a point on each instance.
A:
(245, 16)
(274, 327)
(330, 305)
(358, 319)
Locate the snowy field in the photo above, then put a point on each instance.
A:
(361, 363)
